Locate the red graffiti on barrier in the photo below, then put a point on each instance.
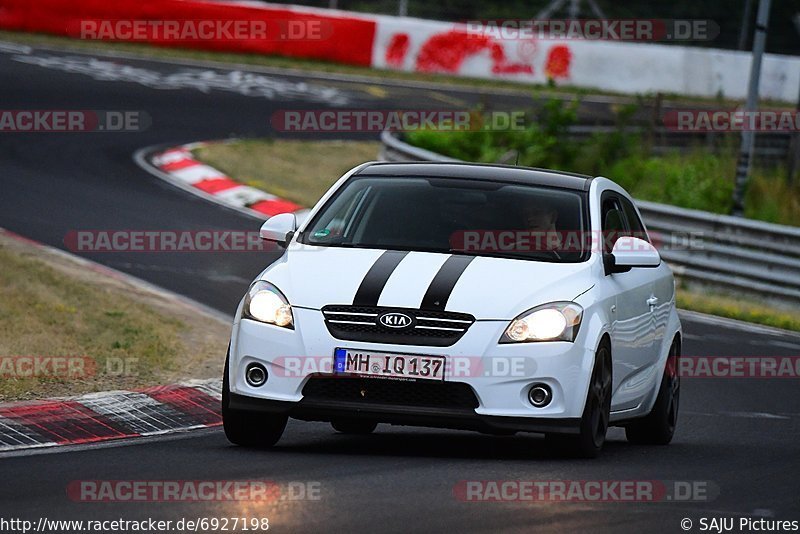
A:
(446, 53)
(559, 59)
(397, 50)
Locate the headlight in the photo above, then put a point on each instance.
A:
(557, 321)
(265, 303)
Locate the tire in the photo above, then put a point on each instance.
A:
(596, 413)
(658, 427)
(249, 429)
(353, 426)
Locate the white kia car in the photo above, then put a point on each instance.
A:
(479, 297)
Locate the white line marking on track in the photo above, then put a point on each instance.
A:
(691, 316)
(14, 48)
(743, 415)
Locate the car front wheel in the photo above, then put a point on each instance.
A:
(249, 429)
(658, 427)
(596, 413)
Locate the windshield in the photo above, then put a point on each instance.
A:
(453, 215)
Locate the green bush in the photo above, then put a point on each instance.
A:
(541, 143)
(697, 179)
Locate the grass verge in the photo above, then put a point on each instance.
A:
(737, 308)
(300, 171)
(125, 336)
(699, 180)
(303, 170)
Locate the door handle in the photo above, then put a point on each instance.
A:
(652, 301)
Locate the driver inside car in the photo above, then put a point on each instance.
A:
(539, 222)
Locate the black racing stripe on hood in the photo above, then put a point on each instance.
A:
(375, 280)
(443, 283)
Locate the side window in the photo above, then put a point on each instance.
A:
(339, 221)
(634, 222)
(613, 222)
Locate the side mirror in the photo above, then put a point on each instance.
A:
(279, 228)
(301, 216)
(631, 252)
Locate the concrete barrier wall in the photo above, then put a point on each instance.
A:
(417, 45)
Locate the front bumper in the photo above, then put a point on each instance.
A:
(499, 375)
(458, 419)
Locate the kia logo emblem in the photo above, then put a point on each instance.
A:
(395, 320)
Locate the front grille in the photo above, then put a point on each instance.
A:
(432, 328)
(420, 393)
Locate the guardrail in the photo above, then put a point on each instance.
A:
(723, 251)
(769, 149)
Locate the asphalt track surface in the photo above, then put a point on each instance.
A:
(739, 437)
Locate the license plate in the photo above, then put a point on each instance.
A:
(388, 365)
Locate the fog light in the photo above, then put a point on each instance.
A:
(540, 395)
(255, 375)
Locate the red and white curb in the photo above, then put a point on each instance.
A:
(110, 415)
(177, 165)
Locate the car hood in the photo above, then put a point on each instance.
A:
(487, 288)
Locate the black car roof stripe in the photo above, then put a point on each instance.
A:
(442, 285)
(375, 280)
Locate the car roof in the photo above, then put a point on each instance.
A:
(479, 171)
